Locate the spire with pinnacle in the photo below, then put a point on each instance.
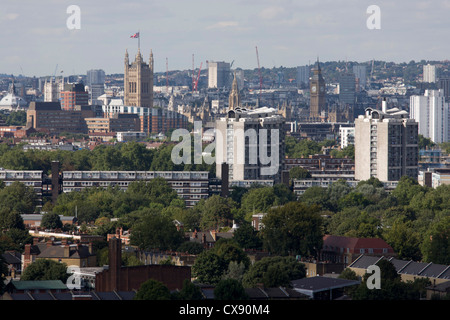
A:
(234, 99)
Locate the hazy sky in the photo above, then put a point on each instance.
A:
(35, 38)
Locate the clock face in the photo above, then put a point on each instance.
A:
(322, 89)
(313, 89)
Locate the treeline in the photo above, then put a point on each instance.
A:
(130, 156)
(304, 148)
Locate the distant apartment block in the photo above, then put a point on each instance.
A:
(251, 142)
(429, 73)
(361, 76)
(322, 164)
(72, 95)
(303, 73)
(218, 74)
(116, 123)
(152, 120)
(346, 136)
(131, 136)
(48, 116)
(95, 80)
(444, 84)
(191, 186)
(386, 145)
(431, 111)
(347, 88)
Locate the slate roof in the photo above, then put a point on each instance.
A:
(423, 269)
(121, 295)
(58, 252)
(38, 285)
(318, 284)
(12, 257)
(331, 242)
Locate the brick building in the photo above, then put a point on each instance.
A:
(118, 278)
(73, 95)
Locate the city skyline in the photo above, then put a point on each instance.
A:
(287, 33)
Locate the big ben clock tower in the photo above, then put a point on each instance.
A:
(317, 93)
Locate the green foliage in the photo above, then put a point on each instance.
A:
(51, 220)
(425, 143)
(191, 247)
(230, 289)
(299, 173)
(18, 197)
(274, 272)
(436, 245)
(301, 148)
(190, 291)
(155, 232)
(209, 268)
(46, 269)
(247, 237)
(216, 213)
(152, 290)
(294, 228)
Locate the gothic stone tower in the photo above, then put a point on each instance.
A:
(138, 81)
(317, 93)
(234, 99)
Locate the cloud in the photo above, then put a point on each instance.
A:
(9, 17)
(223, 24)
(271, 13)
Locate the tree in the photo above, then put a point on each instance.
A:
(216, 213)
(436, 245)
(208, 268)
(45, 269)
(10, 219)
(152, 290)
(190, 291)
(299, 173)
(156, 232)
(404, 240)
(229, 251)
(51, 220)
(294, 228)
(406, 189)
(18, 197)
(247, 237)
(191, 247)
(274, 271)
(230, 289)
(392, 288)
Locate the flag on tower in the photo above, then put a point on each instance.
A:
(136, 35)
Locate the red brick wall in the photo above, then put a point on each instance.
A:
(131, 278)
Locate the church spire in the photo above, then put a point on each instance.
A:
(127, 59)
(234, 99)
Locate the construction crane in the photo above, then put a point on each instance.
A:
(193, 73)
(198, 77)
(167, 75)
(259, 71)
(54, 73)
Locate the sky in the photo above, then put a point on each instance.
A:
(36, 40)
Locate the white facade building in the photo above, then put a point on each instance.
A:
(347, 136)
(429, 73)
(218, 74)
(431, 112)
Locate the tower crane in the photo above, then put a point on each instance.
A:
(259, 71)
(198, 77)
